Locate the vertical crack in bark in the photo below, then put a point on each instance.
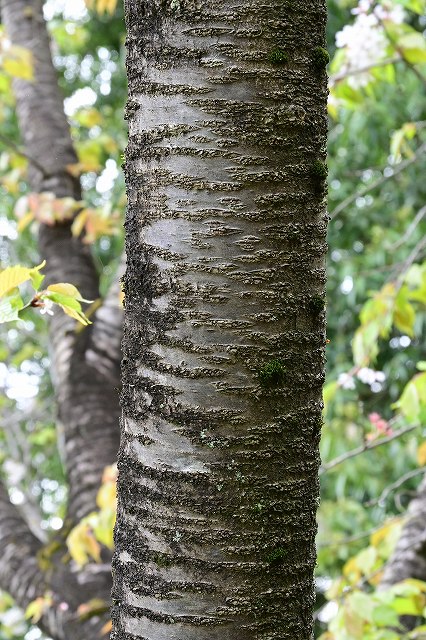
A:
(224, 325)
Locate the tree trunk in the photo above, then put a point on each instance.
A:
(224, 324)
(409, 558)
(89, 424)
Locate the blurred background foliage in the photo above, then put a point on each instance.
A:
(374, 439)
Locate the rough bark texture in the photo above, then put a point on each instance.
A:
(409, 557)
(85, 364)
(224, 324)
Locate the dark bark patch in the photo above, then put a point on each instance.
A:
(316, 304)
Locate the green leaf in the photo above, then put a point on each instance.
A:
(418, 6)
(408, 606)
(36, 279)
(69, 305)
(66, 289)
(366, 559)
(63, 301)
(10, 305)
(18, 62)
(413, 398)
(363, 605)
(12, 277)
(385, 616)
(404, 315)
(329, 392)
(413, 46)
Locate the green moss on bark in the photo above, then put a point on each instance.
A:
(319, 170)
(320, 58)
(278, 56)
(272, 374)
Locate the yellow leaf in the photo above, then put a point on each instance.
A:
(10, 181)
(421, 454)
(110, 473)
(82, 544)
(351, 570)
(67, 289)
(107, 496)
(93, 607)
(78, 168)
(12, 277)
(18, 62)
(96, 223)
(25, 221)
(103, 526)
(78, 223)
(77, 315)
(106, 628)
(37, 607)
(88, 117)
(376, 578)
(102, 6)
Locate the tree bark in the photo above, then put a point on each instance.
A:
(224, 322)
(21, 575)
(409, 557)
(87, 401)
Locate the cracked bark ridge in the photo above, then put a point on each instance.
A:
(224, 324)
(85, 364)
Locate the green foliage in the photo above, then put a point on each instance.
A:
(63, 294)
(376, 319)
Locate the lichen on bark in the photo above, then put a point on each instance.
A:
(225, 232)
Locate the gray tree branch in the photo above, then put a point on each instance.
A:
(87, 401)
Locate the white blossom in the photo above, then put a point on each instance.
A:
(346, 381)
(14, 470)
(365, 41)
(47, 307)
(371, 377)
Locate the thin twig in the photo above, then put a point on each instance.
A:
(352, 72)
(401, 52)
(409, 261)
(356, 537)
(411, 228)
(364, 447)
(391, 487)
(17, 149)
(396, 170)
